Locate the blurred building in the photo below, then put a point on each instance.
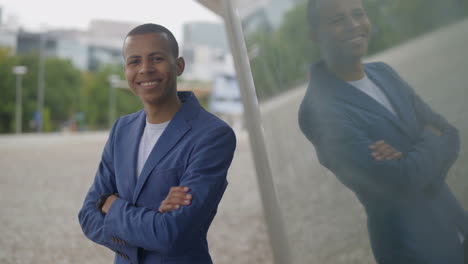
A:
(266, 15)
(208, 59)
(225, 96)
(105, 39)
(206, 51)
(7, 35)
(88, 50)
(8, 39)
(65, 44)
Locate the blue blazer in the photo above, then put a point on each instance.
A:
(195, 150)
(413, 217)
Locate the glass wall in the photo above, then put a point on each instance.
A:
(364, 157)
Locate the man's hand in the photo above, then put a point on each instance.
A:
(433, 129)
(177, 196)
(383, 151)
(108, 203)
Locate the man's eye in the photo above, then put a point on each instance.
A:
(337, 21)
(158, 59)
(358, 14)
(133, 62)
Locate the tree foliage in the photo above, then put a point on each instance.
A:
(280, 57)
(7, 88)
(71, 97)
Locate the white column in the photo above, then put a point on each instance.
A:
(273, 215)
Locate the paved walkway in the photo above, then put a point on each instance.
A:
(43, 181)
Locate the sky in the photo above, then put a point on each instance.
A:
(39, 14)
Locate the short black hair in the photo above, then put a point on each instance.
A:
(312, 13)
(155, 28)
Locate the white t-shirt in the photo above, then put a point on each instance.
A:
(370, 88)
(149, 138)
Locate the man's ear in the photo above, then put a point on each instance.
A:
(180, 63)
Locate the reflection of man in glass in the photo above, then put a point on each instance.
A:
(382, 141)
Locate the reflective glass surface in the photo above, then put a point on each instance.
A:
(365, 122)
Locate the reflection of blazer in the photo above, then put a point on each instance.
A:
(412, 214)
(195, 150)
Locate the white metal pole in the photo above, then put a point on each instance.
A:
(19, 103)
(19, 71)
(273, 216)
(40, 82)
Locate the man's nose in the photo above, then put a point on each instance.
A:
(352, 23)
(146, 67)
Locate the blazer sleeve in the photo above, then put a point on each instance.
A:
(343, 147)
(205, 175)
(450, 148)
(90, 218)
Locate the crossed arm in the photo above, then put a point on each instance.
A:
(177, 197)
(382, 150)
(363, 163)
(435, 123)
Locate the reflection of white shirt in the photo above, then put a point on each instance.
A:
(149, 138)
(370, 88)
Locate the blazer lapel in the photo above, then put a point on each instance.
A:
(176, 129)
(344, 91)
(129, 163)
(399, 101)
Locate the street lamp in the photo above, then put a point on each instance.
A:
(19, 71)
(115, 82)
(40, 82)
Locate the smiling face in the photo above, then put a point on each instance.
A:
(151, 69)
(342, 30)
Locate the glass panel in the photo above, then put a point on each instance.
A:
(340, 203)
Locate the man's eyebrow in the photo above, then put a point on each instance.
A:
(336, 15)
(156, 53)
(151, 54)
(133, 57)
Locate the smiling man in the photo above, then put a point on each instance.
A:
(163, 169)
(382, 141)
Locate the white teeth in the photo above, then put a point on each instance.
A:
(148, 83)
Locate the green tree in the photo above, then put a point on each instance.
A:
(280, 57)
(7, 91)
(62, 90)
(95, 94)
(62, 82)
(278, 63)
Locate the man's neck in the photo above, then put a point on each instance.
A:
(162, 112)
(352, 70)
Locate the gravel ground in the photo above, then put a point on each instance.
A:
(44, 179)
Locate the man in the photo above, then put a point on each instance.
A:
(382, 141)
(163, 169)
